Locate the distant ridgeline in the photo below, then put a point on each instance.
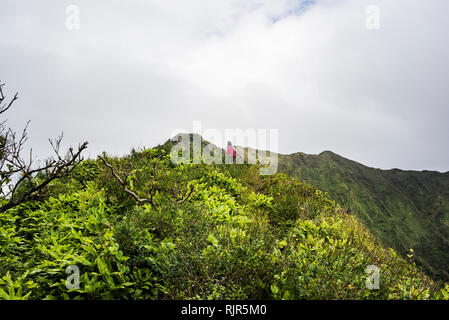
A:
(193, 148)
(404, 209)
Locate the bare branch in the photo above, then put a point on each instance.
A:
(53, 169)
(123, 183)
(15, 170)
(4, 108)
(192, 189)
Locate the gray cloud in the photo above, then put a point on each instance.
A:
(137, 70)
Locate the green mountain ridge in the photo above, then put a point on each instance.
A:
(143, 227)
(405, 209)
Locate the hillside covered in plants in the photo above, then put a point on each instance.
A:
(404, 209)
(193, 232)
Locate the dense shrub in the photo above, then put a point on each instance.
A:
(238, 236)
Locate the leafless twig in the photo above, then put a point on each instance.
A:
(192, 189)
(123, 183)
(15, 171)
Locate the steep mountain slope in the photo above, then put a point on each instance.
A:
(405, 209)
(199, 232)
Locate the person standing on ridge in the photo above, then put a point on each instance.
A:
(231, 151)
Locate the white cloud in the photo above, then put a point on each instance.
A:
(137, 70)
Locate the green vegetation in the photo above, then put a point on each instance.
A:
(404, 209)
(238, 235)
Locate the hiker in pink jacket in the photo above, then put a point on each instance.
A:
(231, 151)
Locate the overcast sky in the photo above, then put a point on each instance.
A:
(135, 71)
